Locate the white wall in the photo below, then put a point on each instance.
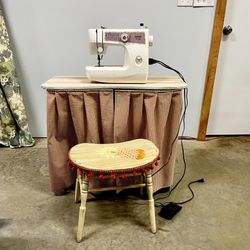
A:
(50, 38)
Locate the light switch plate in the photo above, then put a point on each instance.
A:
(203, 3)
(185, 3)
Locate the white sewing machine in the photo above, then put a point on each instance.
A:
(136, 43)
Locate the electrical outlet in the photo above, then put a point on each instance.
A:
(203, 3)
(185, 3)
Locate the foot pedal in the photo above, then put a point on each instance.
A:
(169, 211)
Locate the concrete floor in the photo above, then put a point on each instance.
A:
(31, 217)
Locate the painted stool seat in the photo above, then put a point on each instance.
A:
(116, 160)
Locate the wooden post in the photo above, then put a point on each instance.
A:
(212, 66)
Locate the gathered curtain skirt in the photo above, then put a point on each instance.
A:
(110, 117)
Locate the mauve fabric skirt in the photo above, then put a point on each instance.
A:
(107, 117)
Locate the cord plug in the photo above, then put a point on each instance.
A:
(200, 180)
(151, 61)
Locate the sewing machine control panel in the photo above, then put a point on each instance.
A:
(131, 37)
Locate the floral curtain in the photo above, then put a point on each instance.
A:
(14, 129)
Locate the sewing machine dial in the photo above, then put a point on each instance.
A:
(124, 37)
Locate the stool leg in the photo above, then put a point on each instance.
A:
(77, 188)
(151, 201)
(82, 209)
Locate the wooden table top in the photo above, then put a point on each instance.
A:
(114, 157)
(71, 83)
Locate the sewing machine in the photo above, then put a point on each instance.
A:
(136, 44)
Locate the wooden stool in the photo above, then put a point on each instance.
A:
(118, 160)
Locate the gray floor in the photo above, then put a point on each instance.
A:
(31, 217)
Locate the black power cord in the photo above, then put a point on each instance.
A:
(160, 204)
(170, 209)
(154, 61)
(174, 208)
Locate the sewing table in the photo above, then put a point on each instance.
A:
(79, 111)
